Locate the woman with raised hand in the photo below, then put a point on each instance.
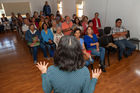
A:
(68, 74)
(90, 61)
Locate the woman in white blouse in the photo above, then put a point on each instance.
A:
(58, 35)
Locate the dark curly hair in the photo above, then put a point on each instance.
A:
(76, 29)
(69, 55)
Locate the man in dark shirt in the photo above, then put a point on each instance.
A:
(47, 9)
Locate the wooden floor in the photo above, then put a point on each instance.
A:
(18, 74)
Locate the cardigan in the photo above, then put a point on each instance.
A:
(94, 22)
(88, 40)
(68, 82)
(29, 36)
(48, 36)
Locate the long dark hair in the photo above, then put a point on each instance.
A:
(43, 25)
(79, 21)
(69, 55)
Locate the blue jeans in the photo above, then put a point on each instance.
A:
(51, 49)
(123, 44)
(100, 53)
(42, 46)
(88, 62)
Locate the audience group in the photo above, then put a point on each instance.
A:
(45, 30)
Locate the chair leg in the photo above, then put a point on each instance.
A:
(108, 52)
(138, 46)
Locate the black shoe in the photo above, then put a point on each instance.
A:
(126, 55)
(103, 69)
(120, 58)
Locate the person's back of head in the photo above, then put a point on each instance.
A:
(69, 55)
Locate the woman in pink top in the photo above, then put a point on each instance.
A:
(67, 26)
(84, 24)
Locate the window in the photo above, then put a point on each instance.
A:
(1, 10)
(79, 9)
(59, 7)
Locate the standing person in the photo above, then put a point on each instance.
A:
(67, 26)
(92, 44)
(96, 21)
(47, 9)
(119, 34)
(68, 74)
(34, 40)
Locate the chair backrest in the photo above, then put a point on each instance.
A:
(107, 30)
(101, 32)
(103, 41)
(128, 34)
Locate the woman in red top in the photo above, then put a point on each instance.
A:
(95, 30)
(96, 21)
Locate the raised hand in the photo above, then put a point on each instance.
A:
(42, 67)
(96, 73)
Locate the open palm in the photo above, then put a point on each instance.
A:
(42, 66)
(96, 73)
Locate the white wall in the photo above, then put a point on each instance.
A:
(69, 7)
(127, 10)
(36, 5)
(92, 6)
(110, 10)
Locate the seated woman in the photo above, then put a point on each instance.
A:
(77, 24)
(34, 40)
(92, 44)
(95, 30)
(35, 23)
(77, 33)
(58, 35)
(48, 39)
(68, 74)
(41, 23)
(46, 21)
(5, 22)
(84, 24)
(53, 28)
